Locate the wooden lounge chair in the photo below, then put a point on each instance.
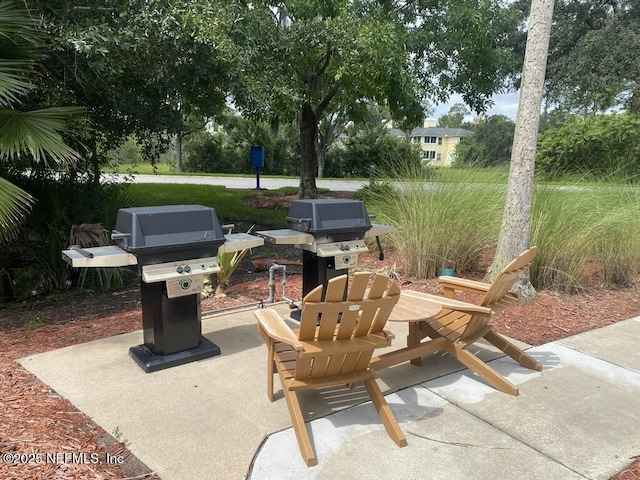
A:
(333, 346)
(453, 326)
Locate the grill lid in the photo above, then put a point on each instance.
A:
(169, 233)
(328, 216)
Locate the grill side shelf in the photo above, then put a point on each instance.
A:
(109, 256)
(235, 242)
(286, 236)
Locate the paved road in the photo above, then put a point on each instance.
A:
(241, 182)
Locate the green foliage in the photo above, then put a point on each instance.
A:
(33, 259)
(229, 262)
(438, 225)
(366, 147)
(227, 149)
(593, 64)
(490, 145)
(599, 147)
(454, 118)
(34, 134)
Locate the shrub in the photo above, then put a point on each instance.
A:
(598, 147)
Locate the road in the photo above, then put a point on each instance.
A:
(239, 182)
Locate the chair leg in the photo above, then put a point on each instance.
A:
(483, 370)
(514, 352)
(299, 427)
(271, 367)
(384, 411)
(414, 339)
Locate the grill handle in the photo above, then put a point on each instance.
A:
(381, 256)
(228, 226)
(299, 220)
(116, 235)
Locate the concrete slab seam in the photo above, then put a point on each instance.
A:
(495, 427)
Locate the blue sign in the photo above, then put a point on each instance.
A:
(257, 157)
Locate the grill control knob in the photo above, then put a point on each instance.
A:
(179, 269)
(187, 268)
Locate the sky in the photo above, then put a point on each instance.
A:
(503, 104)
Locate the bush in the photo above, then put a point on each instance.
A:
(599, 147)
(60, 204)
(369, 147)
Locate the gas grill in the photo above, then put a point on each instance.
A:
(331, 234)
(171, 248)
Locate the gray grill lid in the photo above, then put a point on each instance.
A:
(168, 233)
(329, 216)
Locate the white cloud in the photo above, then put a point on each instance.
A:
(503, 104)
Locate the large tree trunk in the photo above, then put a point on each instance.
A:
(514, 232)
(308, 134)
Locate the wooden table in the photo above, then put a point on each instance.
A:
(412, 308)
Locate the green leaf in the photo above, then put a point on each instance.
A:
(15, 204)
(36, 132)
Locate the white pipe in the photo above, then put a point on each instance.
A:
(272, 283)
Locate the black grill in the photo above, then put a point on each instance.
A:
(168, 233)
(170, 243)
(329, 221)
(323, 218)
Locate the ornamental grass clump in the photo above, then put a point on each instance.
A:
(585, 231)
(438, 224)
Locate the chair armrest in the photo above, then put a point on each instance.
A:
(456, 283)
(275, 327)
(448, 303)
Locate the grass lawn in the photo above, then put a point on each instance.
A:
(228, 203)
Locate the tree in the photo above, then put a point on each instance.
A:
(514, 231)
(454, 118)
(593, 62)
(490, 144)
(301, 60)
(137, 68)
(36, 133)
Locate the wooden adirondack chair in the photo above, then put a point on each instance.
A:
(333, 346)
(454, 326)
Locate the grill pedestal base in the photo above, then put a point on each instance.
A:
(318, 271)
(150, 362)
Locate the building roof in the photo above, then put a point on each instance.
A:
(433, 132)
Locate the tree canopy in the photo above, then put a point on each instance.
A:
(146, 68)
(301, 59)
(593, 62)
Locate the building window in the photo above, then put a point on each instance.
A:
(429, 154)
(439, 140)
(438, 157)
(430, 139)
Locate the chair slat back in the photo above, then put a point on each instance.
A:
(505, 280)
(364, 312)
(459, 326)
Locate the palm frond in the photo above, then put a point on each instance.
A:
(15, 204)
(36, 132)
(88, 235)
(14, 22)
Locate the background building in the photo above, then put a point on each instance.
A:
(438, 144)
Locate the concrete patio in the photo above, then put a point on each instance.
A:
(578, 418)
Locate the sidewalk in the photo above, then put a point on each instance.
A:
(578, 418)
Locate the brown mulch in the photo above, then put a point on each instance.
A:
(51, 439)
